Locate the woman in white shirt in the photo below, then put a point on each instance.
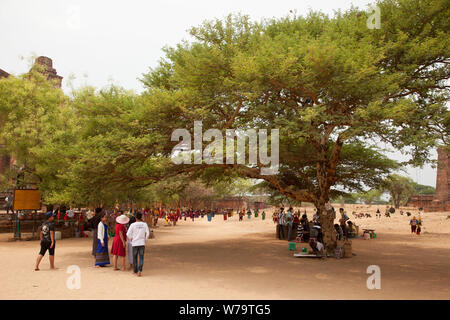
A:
(102, 254)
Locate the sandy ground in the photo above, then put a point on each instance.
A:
(242, 260)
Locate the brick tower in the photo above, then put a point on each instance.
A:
(47, 65)
(4, 159)
(442, 197)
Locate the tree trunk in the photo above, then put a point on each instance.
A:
(396, 201)
(326, 218)
(327, 225)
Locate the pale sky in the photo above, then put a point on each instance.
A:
(103, 41)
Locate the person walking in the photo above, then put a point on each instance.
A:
(118, 248)
(102, 253)
(47, 236)
(138, 233)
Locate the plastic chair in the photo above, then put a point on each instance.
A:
(292, 246)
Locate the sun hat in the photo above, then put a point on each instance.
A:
(122, 219)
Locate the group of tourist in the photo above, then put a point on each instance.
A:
(172, 216)
(130, 233)
(285, 219)
(132, 230)
(311, 231)
(416, 225)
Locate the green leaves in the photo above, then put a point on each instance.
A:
(400, 188)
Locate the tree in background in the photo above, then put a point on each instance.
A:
(36, 125)
(370, 196)
(423, 189)
(400, 188)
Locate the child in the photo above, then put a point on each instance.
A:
(413, 224)
(275, 217)
(419, 226)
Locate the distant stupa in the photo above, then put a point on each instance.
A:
(48, 69)
(441, 200)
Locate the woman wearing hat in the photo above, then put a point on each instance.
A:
(119, 243)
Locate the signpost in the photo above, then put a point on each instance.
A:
(25, 200)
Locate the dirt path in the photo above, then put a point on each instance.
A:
(241, 260)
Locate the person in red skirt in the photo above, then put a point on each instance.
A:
(119, 243)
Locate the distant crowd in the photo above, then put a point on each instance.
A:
(130, 230)
(296, 226)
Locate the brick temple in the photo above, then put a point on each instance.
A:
(46, 65)
(440, 201)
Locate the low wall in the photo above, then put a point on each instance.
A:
(27, 225)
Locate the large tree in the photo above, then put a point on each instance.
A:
(335, 89)
(400, 188)
(34, 119)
